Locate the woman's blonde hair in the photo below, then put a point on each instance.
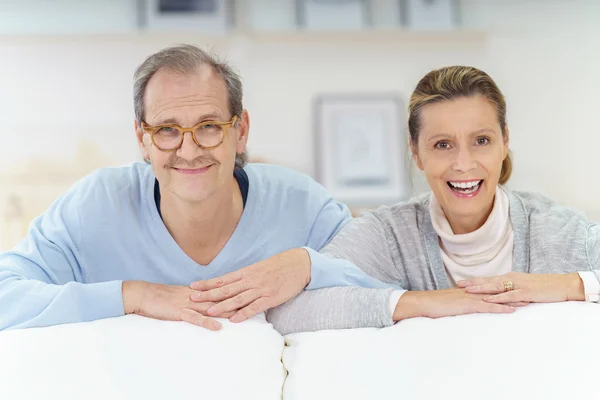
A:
(449, 83)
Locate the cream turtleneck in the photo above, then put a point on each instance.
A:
(488, 251)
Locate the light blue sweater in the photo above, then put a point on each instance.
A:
(106, 229)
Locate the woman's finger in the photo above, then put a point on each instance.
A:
(486, 288)
(495, 308)
(473, 282)
(514, 296)
(518, 304)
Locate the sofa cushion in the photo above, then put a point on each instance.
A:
(542, 351)
(133, 357)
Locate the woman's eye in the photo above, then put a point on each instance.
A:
(483, 141)
(442, 145)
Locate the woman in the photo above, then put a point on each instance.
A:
(468, 246)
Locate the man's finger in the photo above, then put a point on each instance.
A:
(228, 314)
(221, 293)
(217, 282)
(235, 303)
(203, 308)
(256, 307)
(194, 317)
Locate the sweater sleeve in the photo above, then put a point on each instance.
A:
(41, 279)
(593, 252)
(329, 221)
(358, 275)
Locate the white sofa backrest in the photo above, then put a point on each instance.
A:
(134, 358)
(543, 351)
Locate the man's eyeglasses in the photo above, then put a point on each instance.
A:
(207, 135)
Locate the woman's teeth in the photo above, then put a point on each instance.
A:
(465, 187)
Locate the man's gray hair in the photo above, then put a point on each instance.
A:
(185, 59)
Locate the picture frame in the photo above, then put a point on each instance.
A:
(360, 148)
(432, 15)
(332, 15)
(272, 15)
(207, 16)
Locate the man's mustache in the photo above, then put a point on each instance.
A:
(201, 161)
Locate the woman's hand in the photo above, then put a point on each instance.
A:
(527, 288)
(445, 303)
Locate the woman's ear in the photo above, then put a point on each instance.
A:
(415, 155)
(506, 139)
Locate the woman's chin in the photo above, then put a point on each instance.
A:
(466, 205)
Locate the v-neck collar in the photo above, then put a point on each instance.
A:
(164, 238)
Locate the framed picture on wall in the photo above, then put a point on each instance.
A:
(208, 16)
(272, 15)
(324, 15)
(360, 148)
(430, 14)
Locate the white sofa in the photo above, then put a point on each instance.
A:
(540, 352)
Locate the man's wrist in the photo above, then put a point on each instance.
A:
(133, 292)
(305, 263)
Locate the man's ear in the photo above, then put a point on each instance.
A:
(243, 129)
(140, 138)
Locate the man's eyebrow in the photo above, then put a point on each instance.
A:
(205, 117)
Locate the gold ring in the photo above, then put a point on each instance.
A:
(508, 286)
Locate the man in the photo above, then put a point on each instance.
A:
(132, 239)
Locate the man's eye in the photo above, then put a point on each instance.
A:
(167, 131)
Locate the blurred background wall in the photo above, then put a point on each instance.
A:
(66, 71)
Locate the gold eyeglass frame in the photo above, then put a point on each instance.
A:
(152, 129)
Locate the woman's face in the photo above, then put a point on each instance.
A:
(460, 149)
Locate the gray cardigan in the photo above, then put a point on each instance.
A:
(399, 246)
